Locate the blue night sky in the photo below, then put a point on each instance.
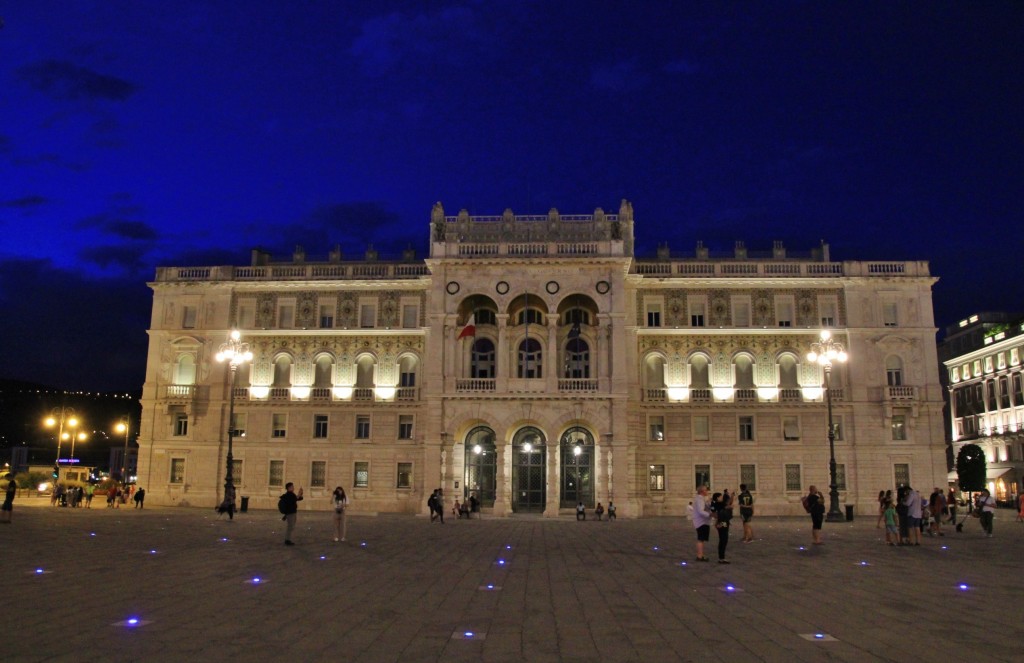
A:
(142, 133)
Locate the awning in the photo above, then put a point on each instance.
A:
(995, 473)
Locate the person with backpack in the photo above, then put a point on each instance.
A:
(814, 504)
(288, 505)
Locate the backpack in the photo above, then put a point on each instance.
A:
(281, 505)
(807, 503)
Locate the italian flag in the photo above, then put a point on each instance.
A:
(469, 329)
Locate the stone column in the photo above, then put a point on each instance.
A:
(551, 492)
(502, 359)
(551, 365)
(503, 480)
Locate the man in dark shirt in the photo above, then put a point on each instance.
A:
(289, 506)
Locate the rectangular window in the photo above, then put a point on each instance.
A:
(188, 317)
(279, 425)
(238, 424)
(889, 314)
(405, 427)
(407, 378)
(320, 425)
(361, 478)
(698, 313)
(899, 427)
(318, 474)
(837, 427)
(326, 316)
(363, 426)
(701, 428)
(653, 312)
(901, 472)
(410, 316)
(236, 472)
(701, 476)
(177, 475)
(286, 315)
(246, 315)
(746, 424)
(793, 484)
(741, 311)
(276, 476)
(367, 315)
(784, 311)
(1001, 361)
(180, 424)
(748, 476)
(988, 364)
(657, 427)
(828, 310)
(790, 428)
(1014, 356)
(656, 478)
(404, 479)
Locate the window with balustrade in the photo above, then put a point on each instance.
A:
(577, 359)
(529, 359)
(482, 359)
(893, 371)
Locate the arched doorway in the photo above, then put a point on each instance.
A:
(529, 471)
(481, 466)
(577, 458)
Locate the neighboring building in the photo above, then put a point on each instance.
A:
(982, 359)
(535, 361)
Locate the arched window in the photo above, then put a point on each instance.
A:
(484, 316)
(654, 372)
(364, 372)
(323, 378)
(407, 367)
(576, 316)
(482, 359)
(531, 316)
(530, 359)
(699, 378)
(185, 370)
(744, 372)
(283, 371)
(894, 371)
(577, 359)
(787, 372)
(577, 456)
(481, 465)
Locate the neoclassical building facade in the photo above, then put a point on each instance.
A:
(536, 362)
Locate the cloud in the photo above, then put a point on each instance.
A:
(389, 42)
(25, 202)
(126, 257)
(353, 225)
(684, 67)
(66, 81)
(116, 224)
(624, 76)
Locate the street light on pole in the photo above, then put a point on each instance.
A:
(59, 418)
(235, 353)
(823, 352)
(124, 426)
(81, 437)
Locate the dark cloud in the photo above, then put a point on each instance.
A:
(118, 225)
(624, 76)
(64, 80)
(90, 335)
(125, 257)
(50, 159)
(25, 202)
(388, 42)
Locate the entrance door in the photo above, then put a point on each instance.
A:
(577, 452)
(529, 471)
(481, 469)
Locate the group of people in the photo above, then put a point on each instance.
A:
(717, 511)
(599, 511)
(466, 508)
(908, 514)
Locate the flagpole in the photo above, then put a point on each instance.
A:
(526, 343)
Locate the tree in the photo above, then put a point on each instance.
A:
(971, 468)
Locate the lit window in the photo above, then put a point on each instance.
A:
(276, 476)
(657, 428)
(656, 478)
(318, 474)
(404, 476)
(177, 475)
(361, 477)
(899, 427)
(405, 427)
(793, 484)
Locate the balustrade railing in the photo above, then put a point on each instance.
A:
(901, 393)
(474, 384)
(362, 394)
(790, 396)
(577, 384)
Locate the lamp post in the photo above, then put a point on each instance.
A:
(824, 352)
(81, 436)
(124, 426)
(235, 353)
(61, 417)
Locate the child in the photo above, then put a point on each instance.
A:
(892, 532)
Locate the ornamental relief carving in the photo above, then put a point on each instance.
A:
(675, 313)
(718, 310)
(305, 310)
(347, 310)
(265, 305)
(806, 309)
(763, 309)
(729, 345)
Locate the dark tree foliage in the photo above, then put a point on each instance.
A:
(970, 468)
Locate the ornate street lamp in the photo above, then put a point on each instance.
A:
(235, 353)
(81, 437)
(824, 352)
(61, 417)
(124, 426)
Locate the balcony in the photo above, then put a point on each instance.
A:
(180, 393)
(577, 384)
(407, 394)
(746, 395)
(700, 396)
(464, 385)
(280, 393)
(320, 394)
(362, 394)
(901, 393)
(790, 396)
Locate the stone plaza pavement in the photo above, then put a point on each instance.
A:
(402, 589)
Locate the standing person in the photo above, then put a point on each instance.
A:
(892, 532)
(881, 508)
(288, 504)
(89, 490)
(814, 504)
(340, 502)
(7, 510)
(140, 498)
(439, 504)
(611, 510)
(432, 505)
(228, 505)
(721, 507)
(987, 507)
(938, 507)
(1020, 508)
(701, 520)
(951, 507)
(474, 505)
(901, 513)
(913, 502)
(746, 501)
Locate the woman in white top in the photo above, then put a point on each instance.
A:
(340, 503)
